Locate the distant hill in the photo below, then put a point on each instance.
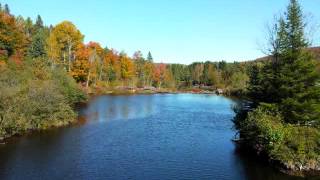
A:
(314, 50)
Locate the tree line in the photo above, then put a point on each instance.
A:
(91, 65)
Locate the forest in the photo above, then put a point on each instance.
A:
(93, 66)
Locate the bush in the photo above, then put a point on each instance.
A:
(33, 96)
(68, 87)
(263, 127)
(300, 147)
(296, 147)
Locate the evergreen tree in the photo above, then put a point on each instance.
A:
(28, 27)
(222, 65)
(254, 84)
(106, 49)
(149, 57)
(298, 89)
(38, 43)
(290, 79)
(39, 23)
(38, 35)
(295, 27)
(6, 9)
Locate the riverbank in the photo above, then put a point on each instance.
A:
(96, 91)
(310, 170)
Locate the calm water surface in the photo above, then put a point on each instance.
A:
(138, 137)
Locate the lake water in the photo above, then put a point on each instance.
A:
(180, 136)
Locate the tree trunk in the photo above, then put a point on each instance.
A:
(88, 79)
(100, 73)
(69, 58)
(64, 60)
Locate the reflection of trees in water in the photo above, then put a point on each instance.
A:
(149, 106)
(125, 111)
(120, 108)
(111, 112)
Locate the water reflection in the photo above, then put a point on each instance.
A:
(109, 108)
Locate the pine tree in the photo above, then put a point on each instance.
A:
(299, 91)
(38, 43)
(6, 9)
(106, 49)
(38, 34)
(254, 84)
(290, 79)
(295, 27)
(149, 57)
(39, 23)
(28, 26)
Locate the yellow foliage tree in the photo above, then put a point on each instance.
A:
(126, 68)
(63, 42)
(148, 70)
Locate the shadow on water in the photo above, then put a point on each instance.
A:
(256, 168)
(34, 152)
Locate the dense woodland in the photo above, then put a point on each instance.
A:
(283, 120)
(94, 66)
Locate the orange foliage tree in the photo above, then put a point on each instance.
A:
(111, 66)
(81, 64)
(159, 74)
(12, 39)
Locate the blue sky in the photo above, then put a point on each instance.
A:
(175, 31)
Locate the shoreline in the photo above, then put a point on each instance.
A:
(153, 90)
(283, 167)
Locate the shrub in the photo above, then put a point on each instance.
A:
(34, 96)
(264, 127)
(294, 146)
(300, 147)
(68, 87)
